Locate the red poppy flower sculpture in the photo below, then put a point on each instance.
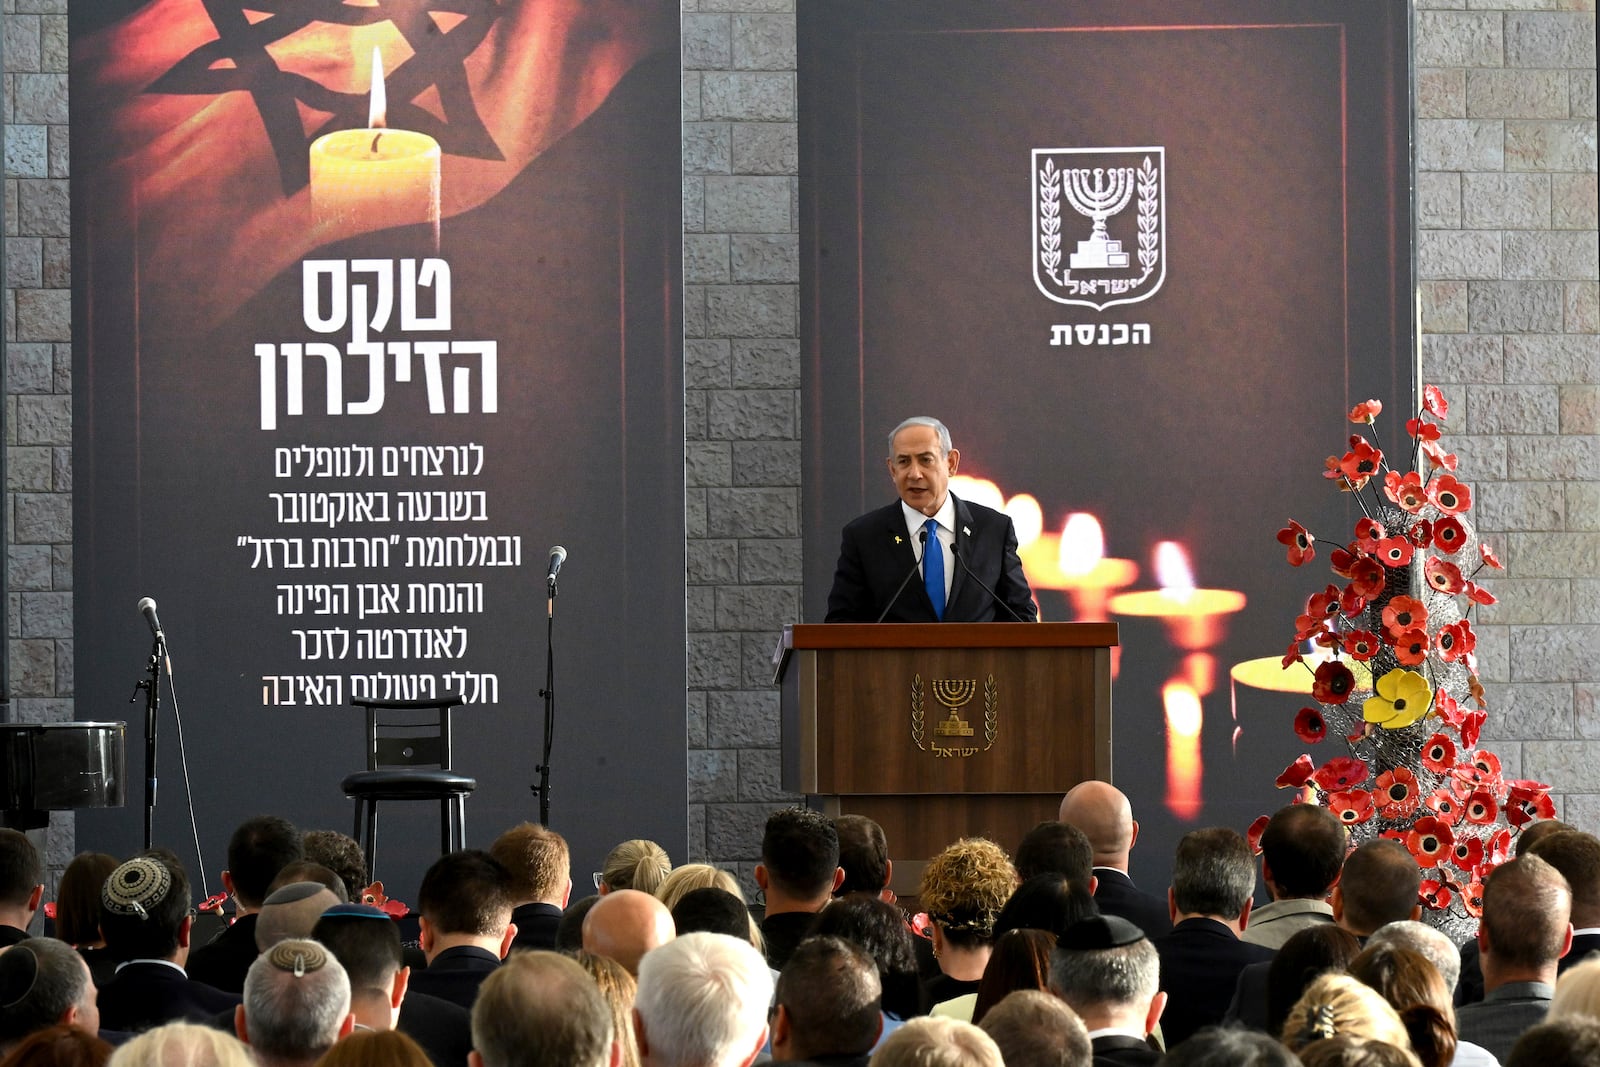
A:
(1391, 659)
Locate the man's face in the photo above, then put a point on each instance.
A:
(920, 468)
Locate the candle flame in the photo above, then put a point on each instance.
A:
(1184, 768)
(1027, 516)
(1172, 570)
(1083, 545)
(378, 104)
(1184, 715)
(978, 491)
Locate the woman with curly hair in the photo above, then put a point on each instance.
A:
(963, 889)
(879, 929)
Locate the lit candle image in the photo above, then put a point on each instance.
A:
(1194, 617)
(1076, 563)
(374, 179)
(1185, 717)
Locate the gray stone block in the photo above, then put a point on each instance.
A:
(53, 42)
(770, 561)
(1525, 600)
(1494, 653)
(1482, 457)
(46, 709)
(761, 777)
(766, 258)
(695, 402)
(694, 204)
(747, 96)
(44, 420)
(1568, 766)
(694, 513)
(1526, 711)
(1459, 144)
(1459, 39)
(1564, 254)
(22, 44)
(47, 615)
(752, 512)
(1513, 409)
(697, 834)
(1583, 506)
(1586, 709)
(713, 662)
(27, 151)
(1439, 201)
(741, 5)
(1521, 506)
(705, 258)
(1586, 600)
(1514, 307)
(695, 718)
(1505, 201)
(765, 42)
(713, 562)
(759, 463)
(751, 415)
(755, 657)
(24, 264)
(747, 204)
(60, 565)
(689, 96)
(752, 310)
(707, 463)
(1463, 358)
(43, 314)
(42, 518)
(1551, 359)
(33, 669)
(60, 152)
(701, 609)
(766, 364)
(766, 148)
(706, 364)
(29, 368)
(713, 775)
(706, 42)
(1458, 254)
(42, 7)
(706, 148)
(28, 569)
(745, 719)
(1550, 145)
(1581, 809)
(766, 608)
(1553, 457)
(28, 469)
(694, 311)
(1573, 200)
(1441, 93)
(1444, 306)
(44, 207)
(1580, 409)
(1581, 93)
(1555, 555)
(733, 831)
(1549, 39)
(1517, 94)
(40, 98)
(1582, 314)
(61, 469)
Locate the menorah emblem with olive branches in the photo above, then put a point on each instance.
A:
(955, 694)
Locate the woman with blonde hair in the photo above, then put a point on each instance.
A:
(1577, 991)
(635, 864)
(1415, 989)
(618, 987)
(375, 1048)
(963, 889)
(1335, 1004)
(691, 876)
(183, 1045)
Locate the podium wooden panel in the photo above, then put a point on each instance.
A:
(945, 730)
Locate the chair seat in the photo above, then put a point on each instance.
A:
(417, 784)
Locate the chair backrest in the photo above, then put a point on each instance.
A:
(408, 733)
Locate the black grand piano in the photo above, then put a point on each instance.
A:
(60, 766)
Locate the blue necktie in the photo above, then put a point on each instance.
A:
(933, 568)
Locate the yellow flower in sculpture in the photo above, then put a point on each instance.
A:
(1402, 698)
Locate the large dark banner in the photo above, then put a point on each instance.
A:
(352, 353)
(1141, 257)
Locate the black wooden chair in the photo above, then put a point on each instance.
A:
(408, 758)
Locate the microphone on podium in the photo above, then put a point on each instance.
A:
(922, 537)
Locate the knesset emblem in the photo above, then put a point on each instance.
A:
(954, 736)
(1099, 224)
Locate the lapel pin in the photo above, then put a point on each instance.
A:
(897, 539)
(967, 530)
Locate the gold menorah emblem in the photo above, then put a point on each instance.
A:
(953, 693)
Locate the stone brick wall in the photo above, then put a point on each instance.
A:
(1507, 259)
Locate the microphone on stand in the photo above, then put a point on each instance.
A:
(922, 536)
(992, 594)
(147, 607)
(558, 556)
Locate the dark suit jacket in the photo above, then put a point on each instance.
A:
(783, 933)
(536, 926)
(1120, 1050)
(443, 1029)
(145, 994)
(876, 554)
(1117, 895)
(222, 963)
(1200, 964)
(455, 974)
(1469, 987)
(1496, 1021)
(10, 935)
(1249, 1007)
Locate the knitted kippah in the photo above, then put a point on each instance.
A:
(137, 886)
(298, 958)
(292, 892)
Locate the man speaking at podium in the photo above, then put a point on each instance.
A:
(929, 557)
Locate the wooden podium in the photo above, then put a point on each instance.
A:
(945, 730)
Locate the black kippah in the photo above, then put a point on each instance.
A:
(1100, 932)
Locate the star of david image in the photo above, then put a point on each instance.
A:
(238, 61)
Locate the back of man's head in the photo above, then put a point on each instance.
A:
(292, 911)
(800, 851)
(713, 911)
(1535, 832)
(466, 892)
(1103, 813)
(257, 851)
(937, 1041)
(863, 853)
(341, 854)
(144, 906)
(625, 925)
(831, 1001)
(43, 982)
(1570, 1041)
(1034, 1029)
(1379, 885)
(20, 870)
(1577, 856)
(540, 1009)
(702, 1002)
(1225, 1046)
(1055, 848)
(539, 863)
(1105, 964)
(308, 870)
(296, 1002)
(1526, 910)
(1429, 942)
(366, 942)
(1303, 849)
(1213, 873)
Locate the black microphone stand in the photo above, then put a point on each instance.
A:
(549, 695)
(152, 702)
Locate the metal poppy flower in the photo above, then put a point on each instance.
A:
(1310, 726)
(1430, 841)
(1332, 683)
(1302, 545)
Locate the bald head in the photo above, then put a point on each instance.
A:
(624, 925)
(1103, 813)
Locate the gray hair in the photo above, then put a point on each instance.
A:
(1128, 974)
(1426, 941)
(923, 420)
(937, 1041)
(1213, 873)
(702, 1001)
(295, 1014)
(53, 980)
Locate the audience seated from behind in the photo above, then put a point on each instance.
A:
(59, 1046)
(296, 1005)
(1336, 1004)
(183, 1045)
(341, 854)
(1302, 851)
(938, 1042)
(692, 876)
(798, 872)
(619, 988)
(625, 925)
(541, 881)
(1416, 990)
(879, 929)
(78, 910)
(1263, 995)
(375, 1048)
(1105, 816)
(1031, 1028)
(541, 1009)
(44, 983)
(1020, 960)
(1470, 988)
(291, 911)
(963, 889)
(1226, 1046)
(636, 864)
(21, 885)
(702, 1002)
(257, 851)
(1049, 901)
(1054, 847)
(569, 934)
(828, 1005)
(864, 857)
(465, 906)
(1570, 1041)
(1107, 971)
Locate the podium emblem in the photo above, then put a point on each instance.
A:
(1108, 205)
(954, 736)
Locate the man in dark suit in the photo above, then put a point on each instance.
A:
(21, 885)
(798, 872)
(144, 915)
(257, 851)
(1107, 971)
(975, 576)
(1213, 879)
(541, 881)
(465, 901)
(1105, 816)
